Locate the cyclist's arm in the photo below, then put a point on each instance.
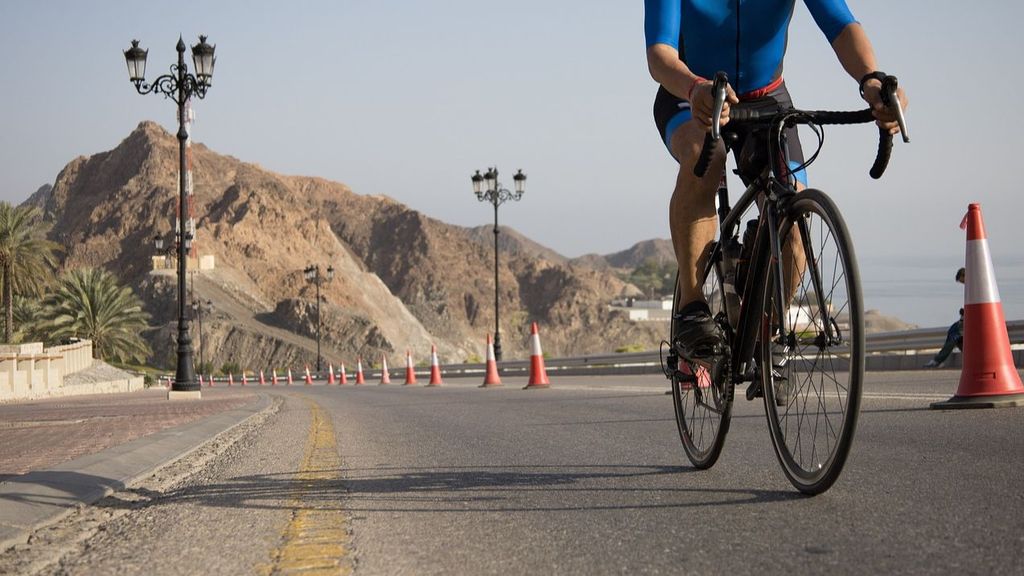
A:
(853, 48)
(668, 70)
(661, 30)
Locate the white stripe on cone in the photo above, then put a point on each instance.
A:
(535, 345)
(980, 286)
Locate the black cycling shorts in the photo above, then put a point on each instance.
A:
(671, 112)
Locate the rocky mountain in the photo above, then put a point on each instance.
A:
(513, 243)
(402, 280)
(660, 250)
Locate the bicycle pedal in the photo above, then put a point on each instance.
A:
(754, 390)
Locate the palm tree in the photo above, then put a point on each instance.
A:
(26, 320)
(26, 258)
(89, 303)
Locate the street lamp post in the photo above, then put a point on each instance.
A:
(179, 86)
(488, 189)
(313, 275)
(198, 308)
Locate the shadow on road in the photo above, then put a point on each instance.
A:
(54, 487)
(461, 489)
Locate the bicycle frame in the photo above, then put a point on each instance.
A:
(771, 191)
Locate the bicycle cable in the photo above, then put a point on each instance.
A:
(819, 131)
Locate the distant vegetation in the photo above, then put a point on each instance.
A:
(83, 303)
(88, 303)
(27, 261)
(655, 279)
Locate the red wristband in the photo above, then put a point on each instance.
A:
(697, 82)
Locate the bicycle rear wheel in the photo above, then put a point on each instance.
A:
(702, 396)
(812, 361)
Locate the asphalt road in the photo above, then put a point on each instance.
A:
(587, 477)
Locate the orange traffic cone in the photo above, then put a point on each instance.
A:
(200, 380)
(410, 373)
(491, 379)
(209, 381)
(988, 378)
(343, 379)
(538, 375)
(309, 378)
(231, 379)
(385, 377)
(435, 368)
(359, 371)
(244, 381)
(273, 379)
(263, 381)
(290, 380)
(330, 373)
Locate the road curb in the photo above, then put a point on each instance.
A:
(37, 499)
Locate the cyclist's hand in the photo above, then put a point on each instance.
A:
(703, 104)
(884, 117)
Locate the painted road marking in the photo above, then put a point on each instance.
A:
(909, 396)
(315, 540)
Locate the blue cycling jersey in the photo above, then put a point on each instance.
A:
(744, 38)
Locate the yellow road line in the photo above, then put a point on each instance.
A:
(315, 540)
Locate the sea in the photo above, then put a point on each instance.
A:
(923, 291)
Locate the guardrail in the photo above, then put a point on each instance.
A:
(885, 344)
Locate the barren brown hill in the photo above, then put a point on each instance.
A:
(657, 249)
(402, 281)
(514, 243)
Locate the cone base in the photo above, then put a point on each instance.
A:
(996, 401)
(535, 386)
(433, 385)
(491, 385)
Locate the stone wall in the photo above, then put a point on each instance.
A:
(30, 371)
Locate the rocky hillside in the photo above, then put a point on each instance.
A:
(659, 250)
(513, 243)
(402, 280)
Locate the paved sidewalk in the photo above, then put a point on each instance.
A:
(57, 454)
(39, 434)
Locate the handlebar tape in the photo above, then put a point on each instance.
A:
(701, 167)
(884, 151)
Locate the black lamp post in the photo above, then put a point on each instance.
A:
(313, 275)
(198, 308)
(488, 189)
(179, 86)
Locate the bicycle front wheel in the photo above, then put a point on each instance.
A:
(812, 344)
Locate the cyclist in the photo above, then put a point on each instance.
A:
(688, 41)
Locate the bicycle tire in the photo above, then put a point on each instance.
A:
(703, 408)
(812, 391)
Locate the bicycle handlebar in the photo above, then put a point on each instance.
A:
(712, 137)
(793, 117)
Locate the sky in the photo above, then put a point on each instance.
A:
(407, 98)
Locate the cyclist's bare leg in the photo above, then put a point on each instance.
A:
(793, 259)
(692, 217)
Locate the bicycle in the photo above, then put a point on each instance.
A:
(794, 326)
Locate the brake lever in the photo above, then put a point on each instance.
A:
(718, 88)
(890, 88)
